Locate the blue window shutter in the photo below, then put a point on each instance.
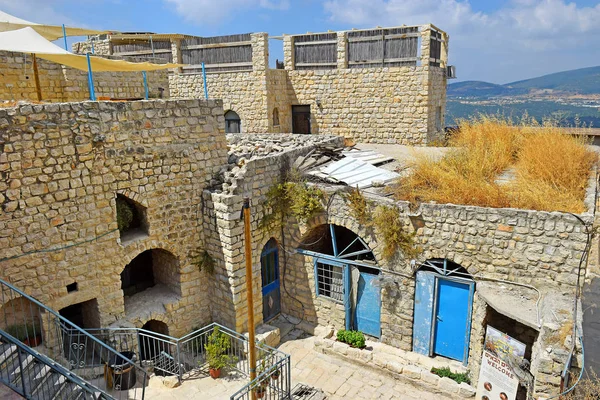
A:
(423, 315)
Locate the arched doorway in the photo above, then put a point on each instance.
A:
(269, 266)
(442, 311)
(233, 123)
(345, 272)
(155, 347)
(149, 268)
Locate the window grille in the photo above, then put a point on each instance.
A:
(330, 281)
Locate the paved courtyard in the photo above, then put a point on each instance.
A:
(340, 379)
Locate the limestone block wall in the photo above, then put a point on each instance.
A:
(101, 47)
(63, 84)
(225, 236)
(374, 105)
(278, 98)
(61, 167)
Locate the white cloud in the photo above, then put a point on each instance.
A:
(523, 37)
(216, 12)
(40, 11)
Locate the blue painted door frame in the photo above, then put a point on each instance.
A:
(269, 260)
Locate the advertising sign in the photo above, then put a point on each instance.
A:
(497, 381)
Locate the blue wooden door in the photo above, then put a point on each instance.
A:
(423, 316)
(368, 305)
(269, 263)
(452, 319)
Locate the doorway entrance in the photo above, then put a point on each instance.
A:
(271, 292)
(301, 119)
(233, 123)
(442, 312)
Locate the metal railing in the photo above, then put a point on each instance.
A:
(39, 376)
(25, 319)
(185, 357)
(273, 381)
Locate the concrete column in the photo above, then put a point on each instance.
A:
(342, 50)
(260, 51)
(288, 52)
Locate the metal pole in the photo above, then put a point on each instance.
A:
(65, 37)
(90, 79)
(36, 77)
(248, 254)
(204, 82)
(145, 83)
(152, 46)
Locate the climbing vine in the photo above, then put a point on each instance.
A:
(387, 222)
(203, 260)
(291, 199)
(124, 214)
(360, 207)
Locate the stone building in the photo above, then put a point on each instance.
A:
(378, 85)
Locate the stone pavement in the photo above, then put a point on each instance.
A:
(340, 379)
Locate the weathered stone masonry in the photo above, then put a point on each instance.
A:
(61, 167)
(399, 104)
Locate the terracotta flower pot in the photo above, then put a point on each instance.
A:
(214, 373)
(275, 375)
(260, 392)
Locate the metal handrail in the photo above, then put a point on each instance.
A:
(53, 365)
(65, 327)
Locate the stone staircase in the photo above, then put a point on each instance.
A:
(40, 377)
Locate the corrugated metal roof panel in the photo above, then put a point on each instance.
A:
(355, 172)
(369, 156)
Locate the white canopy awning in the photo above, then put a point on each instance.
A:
(27, 40)
(51, 32)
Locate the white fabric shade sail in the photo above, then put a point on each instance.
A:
(27, 40)
(51, 32)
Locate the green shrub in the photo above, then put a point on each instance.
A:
(124, 214)
(217, 347)
(24, 331)
(458, 377)
(353, 338)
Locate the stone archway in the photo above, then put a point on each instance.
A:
(155, 346)
(150, 268)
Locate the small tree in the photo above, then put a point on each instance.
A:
(217, 346)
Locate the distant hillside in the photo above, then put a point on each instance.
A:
(582, 81)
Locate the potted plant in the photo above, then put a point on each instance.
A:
(260, 390)
(217, 357)
(29, 333)
(275, 374)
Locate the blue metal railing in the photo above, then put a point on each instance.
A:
(25, 319)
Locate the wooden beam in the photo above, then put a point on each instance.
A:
(36, 77)
(215, 45)
(315, 64)
(315, 43)
(242, 64)
(387, 60)
(143, 52)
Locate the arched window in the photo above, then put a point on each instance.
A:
(275, 117)
(233, 124)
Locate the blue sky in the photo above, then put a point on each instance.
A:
(495, 40)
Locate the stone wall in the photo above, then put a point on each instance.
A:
(101, 47)
(64, 84)
(243, 92)
(61, 167)
(403, 105)
(224, 228)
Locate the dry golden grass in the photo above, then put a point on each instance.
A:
(552, 169)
